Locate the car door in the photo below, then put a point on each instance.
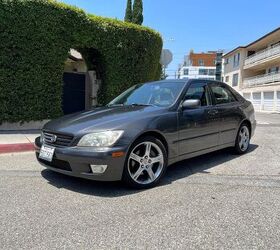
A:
(198, 127)
(228, 112)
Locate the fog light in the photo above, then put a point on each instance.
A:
(98, 169)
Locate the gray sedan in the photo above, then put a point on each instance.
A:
(148, 127)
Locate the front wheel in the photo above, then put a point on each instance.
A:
(242, 140)
(146, 163)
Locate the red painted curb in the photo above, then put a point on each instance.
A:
(13, 148)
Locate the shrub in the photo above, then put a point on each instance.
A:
(35, 39)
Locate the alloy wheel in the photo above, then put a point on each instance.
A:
(145, 162)
(244, 138)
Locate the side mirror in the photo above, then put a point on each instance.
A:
(191, 104)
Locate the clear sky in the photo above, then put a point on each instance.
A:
(199, 25)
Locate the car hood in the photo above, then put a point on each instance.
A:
(100, 119)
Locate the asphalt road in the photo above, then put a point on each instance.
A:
(216, 201)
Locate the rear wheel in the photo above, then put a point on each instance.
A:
(146, 163)
(243, 139)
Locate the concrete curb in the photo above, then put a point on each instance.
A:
(34, 125)
(15, 148)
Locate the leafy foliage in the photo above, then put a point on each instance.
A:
(35, 39)
(138, 12)
(128, 12)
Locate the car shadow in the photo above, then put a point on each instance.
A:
(200, 164)
(175, 172)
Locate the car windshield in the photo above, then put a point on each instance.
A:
(162, 94)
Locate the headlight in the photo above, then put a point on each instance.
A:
(100, 139)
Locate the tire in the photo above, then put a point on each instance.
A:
(242, 141)
(146, 163)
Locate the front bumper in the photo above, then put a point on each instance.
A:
(76, 161)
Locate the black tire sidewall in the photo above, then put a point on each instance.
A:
(126, 176)
(237, 147)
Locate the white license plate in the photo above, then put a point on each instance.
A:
(46, 153)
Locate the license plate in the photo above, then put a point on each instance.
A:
(46, 153)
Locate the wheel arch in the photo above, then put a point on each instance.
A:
(155, 134)
(246, 121)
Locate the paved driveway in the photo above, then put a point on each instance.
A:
(215, 201)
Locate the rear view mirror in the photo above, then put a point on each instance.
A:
(191, 104)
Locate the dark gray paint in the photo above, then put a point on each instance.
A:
(188, 132)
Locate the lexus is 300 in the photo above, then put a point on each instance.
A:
(148, 127)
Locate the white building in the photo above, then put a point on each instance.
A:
(253, 70)
(198, 66)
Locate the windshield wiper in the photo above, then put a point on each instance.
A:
(115, 105)
(139, 104)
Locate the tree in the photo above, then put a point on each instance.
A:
(128, 12)
(138, 12)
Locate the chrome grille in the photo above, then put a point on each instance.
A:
(56, 139)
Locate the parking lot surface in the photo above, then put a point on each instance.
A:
(219, 200)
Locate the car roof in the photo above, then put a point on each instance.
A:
(187, 80)
(171, 80)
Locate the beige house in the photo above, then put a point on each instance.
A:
(253, 70)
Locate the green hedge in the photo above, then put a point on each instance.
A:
(35, 38)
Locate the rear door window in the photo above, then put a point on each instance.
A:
(222, 95)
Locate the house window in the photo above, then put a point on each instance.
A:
(211, 72)
(226, 60)
(201, 62)
(273, 70)
(235, 80)
(227, 78)
(186, 72)
(236, 59)
(203, 72)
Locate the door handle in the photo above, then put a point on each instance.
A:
(213, 112)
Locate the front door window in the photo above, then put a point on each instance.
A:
(198, 92)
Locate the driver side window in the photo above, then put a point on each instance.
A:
(198, 92)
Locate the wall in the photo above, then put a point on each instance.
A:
(209, 59)
(230, 70)
(194, 73)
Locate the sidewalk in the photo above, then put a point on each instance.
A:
(12, 142)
